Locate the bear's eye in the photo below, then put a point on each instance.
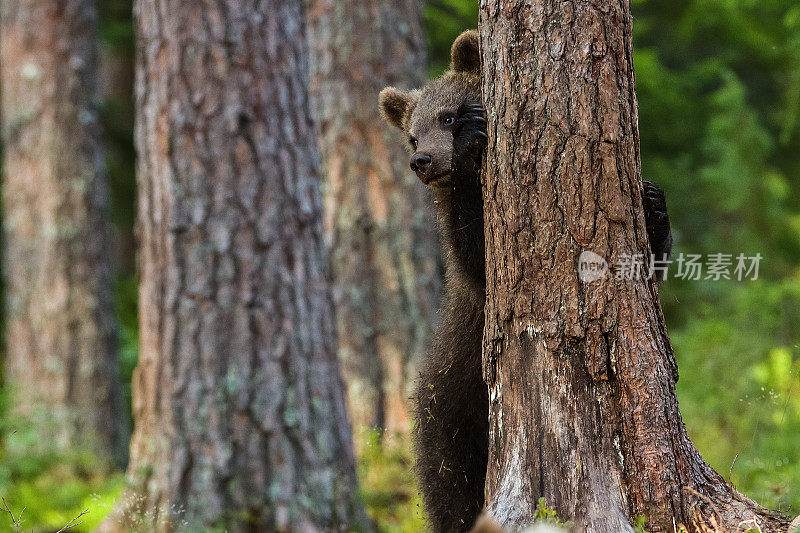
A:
(413, 142)
(448, 119)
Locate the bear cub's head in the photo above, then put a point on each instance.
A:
(427, 116)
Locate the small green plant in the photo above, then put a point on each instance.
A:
(639, 524)
(547, 515)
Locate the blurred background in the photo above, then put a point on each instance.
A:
(718, 84)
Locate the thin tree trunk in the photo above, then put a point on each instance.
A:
(61, 354)
(239, 407)
(581, 375)
(384, 250)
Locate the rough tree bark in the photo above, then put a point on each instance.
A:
(581, 375)
(384, 250)
(61, 334)
(238, 403)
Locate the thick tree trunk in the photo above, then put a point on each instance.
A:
(384, 250)
(581, 375)
(238, 403)
(61, 354)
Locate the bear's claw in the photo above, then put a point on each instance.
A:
(469, 133)
(656, 219)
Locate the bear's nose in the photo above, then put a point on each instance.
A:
(421, 162)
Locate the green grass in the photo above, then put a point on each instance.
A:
(47, 490)
(387, 483)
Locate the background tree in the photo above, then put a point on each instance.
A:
(384, 249)
(239, 410)
(61, 332)
(581, 375)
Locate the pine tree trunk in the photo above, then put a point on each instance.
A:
(581, 375)
(239, 407)
(61, 357)
(384, 250)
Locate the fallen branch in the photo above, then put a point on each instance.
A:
(15, 521)
(73, 523)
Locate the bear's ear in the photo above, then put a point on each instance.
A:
(394, 104)
(465, 56)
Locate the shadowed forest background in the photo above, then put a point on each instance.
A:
(718, 86)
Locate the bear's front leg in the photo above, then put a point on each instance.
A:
(656, 220)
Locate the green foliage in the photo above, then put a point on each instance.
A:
(639, 525)
(444, 21)
(116, 25)
(546, 515)
(543, 513)
(46, 487)
(718, 95)
(388, 486)
(126, 301)
(117, 115)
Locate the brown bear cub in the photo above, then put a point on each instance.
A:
(445, 129)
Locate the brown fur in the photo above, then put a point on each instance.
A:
(418, 113)
(438, 98)
(465, 53)
(451, 411)
(396, 106)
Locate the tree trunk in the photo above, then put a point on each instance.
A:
(61, 354)
(581, 375)
(384, 250)
(238, 403)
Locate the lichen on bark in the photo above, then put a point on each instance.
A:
(238, 402)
